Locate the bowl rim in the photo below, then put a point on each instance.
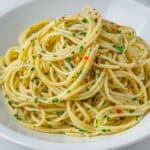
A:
(29, 142)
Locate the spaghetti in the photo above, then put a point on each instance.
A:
(79, 75)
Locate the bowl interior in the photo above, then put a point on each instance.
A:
(15, 21)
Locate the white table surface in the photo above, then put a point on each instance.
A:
(7, 145)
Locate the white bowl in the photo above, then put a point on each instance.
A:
(15, 20)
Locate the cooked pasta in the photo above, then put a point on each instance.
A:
(80, 75)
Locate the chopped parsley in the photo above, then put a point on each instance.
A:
(32, 79)
(106, 130)
(84, 20)
(68, 91)
(81, 48)
(106, 119)
(86, 89)
(10, 102)
(119, 48)
(36, 100)
(119, 31)
(72, 52)
(6, 96)
(17, 116)
(134, 98)
(83, 33)
(97, 74)
(46, 73)
(54, 55)
(55, 100)
(33, 56)
(32, 69)
(82, 130)
(73, 34)
(131, 110)
(96, 122)
(138, 118)
(112, 23)
(59, 113)
(64, 46)
(67, 68)
(69, 61)
(79, 72)
(43, 51)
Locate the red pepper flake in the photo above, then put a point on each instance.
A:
(85, 58)
(76, 61)
(63, 17)
(39, 106)
(28, 87)
(119, 26)
(119, 111)
(39, 55)
(95, 19)
(113, 30)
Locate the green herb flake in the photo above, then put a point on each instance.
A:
(82, 130)
(46, 73)
(83, 33)
(96, 122)
(134, 98)
(64, 46)
(36, 100)
(17, 116)
(54, 55)
(84, 20)
(105, 130)
(68, 91)
(86, 89)
(6, 96)
(129, 33)
(119, 31)
(33, 56)
(79, 72)
(138, 118)
(10, 103)
(72, 52)
(32, 69)
(59, 113)
(67, 68)
(107, 117)
(69, 61)
(112, 23)
(55, 100)
(119, 48)
(131, 110)
(43, 51)
(81, 48)
(73, 34)
(32, 79)
(97, 74)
